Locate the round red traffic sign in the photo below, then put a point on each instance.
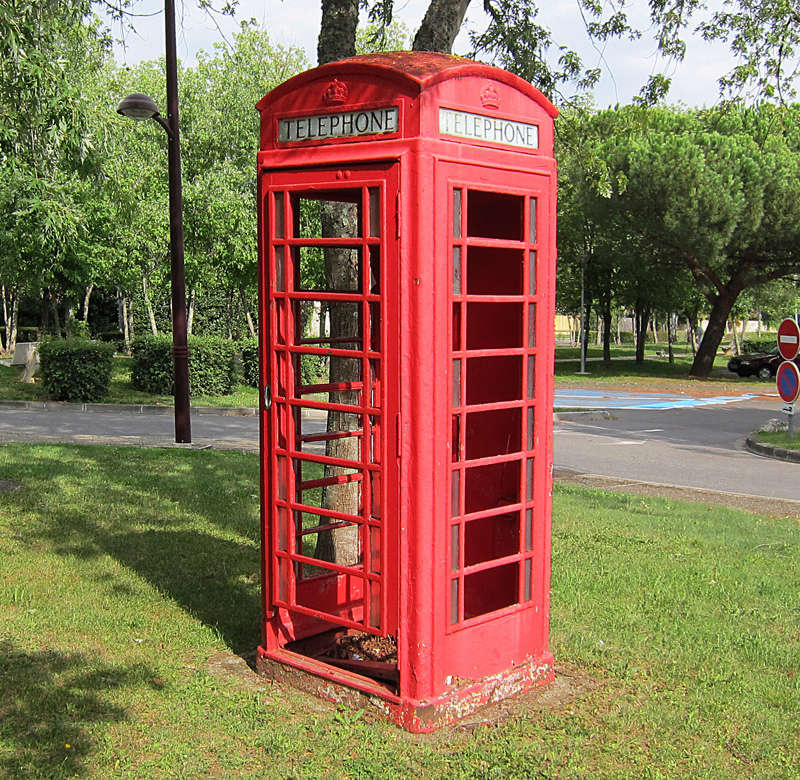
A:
(788, 380)
(788, 339)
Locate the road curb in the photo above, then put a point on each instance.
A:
(588, 414)
(65, 406)
(768, 451)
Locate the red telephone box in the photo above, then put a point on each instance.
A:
(407, 261)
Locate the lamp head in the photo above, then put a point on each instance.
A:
(138, 106)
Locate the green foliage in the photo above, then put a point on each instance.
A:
(211, 365)
(76, 369)
(249, 350)
(750, 346)
(152, 369)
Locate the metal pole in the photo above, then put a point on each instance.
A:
(180, 349)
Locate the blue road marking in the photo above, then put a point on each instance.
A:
(598, 399)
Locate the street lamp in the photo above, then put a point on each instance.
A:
(141, 107)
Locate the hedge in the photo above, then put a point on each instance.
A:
(76, 369)
(249, 350)
(750, 346)
(211, 365)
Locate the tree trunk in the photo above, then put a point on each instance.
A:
(151, 317)
(86, 302)
(190, 315)
(56, 318)
(44, 323)
(440, 25)
(670, 331)
(131, 332)
(642, 317)
(707, 351)
(122, 312)
(341, 273)
(607, 332)
(337, 33)
(251, 328)
(10, 314)
(69, 317)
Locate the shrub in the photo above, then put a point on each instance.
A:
(152, 365)
(76, 369)
(249, 349)
(80, 329)
(749, 346)
(313, 369)
(115, 337)
(211, 365)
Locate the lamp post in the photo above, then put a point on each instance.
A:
(140, 107)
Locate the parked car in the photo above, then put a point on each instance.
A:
(761, 364)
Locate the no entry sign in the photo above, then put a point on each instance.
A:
(788, 339)
(788, 381)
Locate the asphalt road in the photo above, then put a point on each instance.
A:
(700, 447)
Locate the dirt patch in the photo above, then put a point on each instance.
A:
(234, 670)
(8, 486)
(569, 683)
(775, 507)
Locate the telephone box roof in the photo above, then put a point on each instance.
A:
(416, 70)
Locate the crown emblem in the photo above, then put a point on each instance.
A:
(337, 92)
(490, 97)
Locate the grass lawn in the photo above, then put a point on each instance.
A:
(781, 438)
(124, 570)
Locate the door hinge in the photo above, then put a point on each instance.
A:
(266, 397)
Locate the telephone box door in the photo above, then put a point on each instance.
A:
(331, 387)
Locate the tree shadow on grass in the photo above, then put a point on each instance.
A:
(49, 701)
(215, 580)
(146, 520)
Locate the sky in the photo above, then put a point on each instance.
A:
(626, 65)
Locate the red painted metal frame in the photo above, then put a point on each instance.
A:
(446, 668)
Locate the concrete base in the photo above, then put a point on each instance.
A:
(353, 690)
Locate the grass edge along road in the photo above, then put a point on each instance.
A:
(124, 570)
(655, 373)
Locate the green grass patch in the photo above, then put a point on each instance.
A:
(125, 569)
(780, 439)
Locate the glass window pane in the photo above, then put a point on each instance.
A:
(280, 275)
(454, 535)
(532, 272)
(531, 325)
(374, 212)
(528, 529)
(531, 417)
(280, 222)
(453, 601)
(527, 579)
(457, 383)
(532, 238)
(457, 213)
(455, 492)
(531, 376)
(456, 270)
(529, 479)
